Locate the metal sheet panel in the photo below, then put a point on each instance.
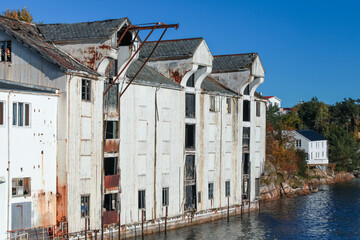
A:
(20, 215)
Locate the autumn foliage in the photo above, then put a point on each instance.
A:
(20, 14)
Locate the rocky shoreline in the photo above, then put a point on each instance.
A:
(275, 186)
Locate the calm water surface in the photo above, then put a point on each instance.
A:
(332, 213)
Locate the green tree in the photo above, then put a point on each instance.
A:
(20, 14)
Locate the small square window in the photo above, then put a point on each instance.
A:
(86, 90)
(211, 191)
(85, 206)
(165, 196)
(141, 199)
(21, 187)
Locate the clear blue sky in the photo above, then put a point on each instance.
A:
(308, 48)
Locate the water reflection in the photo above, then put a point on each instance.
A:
(332, 213)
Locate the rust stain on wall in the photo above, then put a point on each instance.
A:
(176, 75)
(91, 56)
(61, 202)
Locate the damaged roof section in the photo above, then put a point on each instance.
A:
(171, 49)
(29, 35)
(232, 63)
(149, 76)
(80, 31)
(210, 85)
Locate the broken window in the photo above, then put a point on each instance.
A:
(211, 191)
(190, 200)
(112, 128)
(111, 99)
(127, 40)
(141, 199)
(111, 166)
(257, 187)
(191, 81)
(228, 105)
(246, 111)
(247, 90)
(5, 49)
(85, 206)
(190, 105)
(258, 109)
(189, 136)
(227, 189)
(165, 196)
(21, 114)
(246, 163)
(214, 104)
(110, 202)
(21, 187)
(2, 114)
(190, 167)
(86, 90)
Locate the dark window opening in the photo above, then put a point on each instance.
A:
(111, 99)
(191, 81)
(227, 189)
(257, 187)
(2, 113)
(247, 90)
(190, 105)
(190, 200)
(111, 166)
(21, 187)
(190, 136)
(5, 49)
(86, 90)
(110, 202)
(199, 197)
(228, 105)
(211, 191)
(258, 109)
(85, 206)
(112, 128)
(246, 163)
(141, 199)
(127, 40)
(246, 139)
(190, 167)
(214, 104)
(246, 111)
(165, 196)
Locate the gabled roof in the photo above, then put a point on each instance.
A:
(311, 135)
(232, 63)
(29, 35)
(209, 84)
(171, 49)
(21, 87)
(149, 76)
(80, 31)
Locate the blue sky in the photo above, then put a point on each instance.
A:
(308, 48)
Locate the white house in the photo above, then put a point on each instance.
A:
(273, 101)
(314, 144)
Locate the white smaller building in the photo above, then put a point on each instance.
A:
(314, 144)
(273, 101)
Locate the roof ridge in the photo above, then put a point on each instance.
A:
(177, 40)
(13, 19)
(97, 21)
(235, 54)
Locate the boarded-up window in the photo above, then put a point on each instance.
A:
(141, 199)
(190, 105)
(21, 187)
(190, 136)
(246, 111)
(85, 206)
(2, 115)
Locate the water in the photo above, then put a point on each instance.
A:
(332, 213)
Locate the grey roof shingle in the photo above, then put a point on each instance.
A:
(83, 30)
(171, 49)
(211, 85)
(311, 135)
(29, 35)
(235, 62)
(149, 76)
(15, 86)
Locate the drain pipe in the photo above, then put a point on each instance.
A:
(8, 140)
(156, 117)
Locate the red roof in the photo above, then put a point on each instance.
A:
(267, 97)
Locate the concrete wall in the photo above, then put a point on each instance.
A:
(31, 151)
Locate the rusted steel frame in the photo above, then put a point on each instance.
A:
(144, 63)
(122, 36)
(129, 61)
(160, 26)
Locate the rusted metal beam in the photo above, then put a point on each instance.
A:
(160, 26)
(144, 63)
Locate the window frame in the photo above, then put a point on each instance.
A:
(227, 188)
(21, 118)
(189, 104)
(4, 46)
(141, 199)
(85, 213)
(86, 89)
(258, 109)
(2, 113)
(187, 142)
(23, 186)
(165, 196)
(228, 105)
(210, 190)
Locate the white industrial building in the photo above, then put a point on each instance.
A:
(187, 138)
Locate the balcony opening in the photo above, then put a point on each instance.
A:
(246, 111)
(190, 105)
(190, 136)
(111, 166)
(112, 128)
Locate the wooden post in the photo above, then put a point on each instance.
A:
(228, 209)
(166, 214)
(85, 228)
(119, 233)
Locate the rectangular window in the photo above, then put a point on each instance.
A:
(112, 128)
(141, 199)
(190, 167)
(257, 187)
(258, 109)
(211, 191)
(228, 105)
(190, 136)
(246, 111)
(5, 49)
(85, 206)
(199, 197)
(21, 114)
(165, 196)
(110, 166)
(110, 202)
(190, 105)
(21, 187)
(86, 90)
(246, 139)
(298, 143)
(214, 104)
(227, 189)
(2, 114)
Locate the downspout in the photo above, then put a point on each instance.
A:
(220, 102)
(8, 140)
(156, 115)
